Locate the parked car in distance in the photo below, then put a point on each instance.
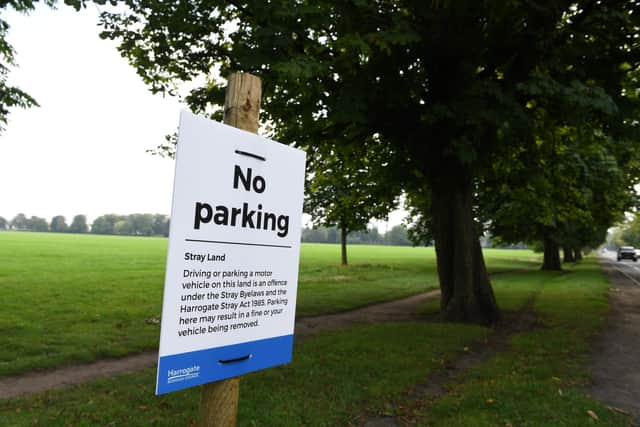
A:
(627, 252)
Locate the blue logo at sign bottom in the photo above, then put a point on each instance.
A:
(185, 370)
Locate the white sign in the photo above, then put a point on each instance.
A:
(232, 265)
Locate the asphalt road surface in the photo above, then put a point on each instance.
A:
(616, 356)
(626, 267)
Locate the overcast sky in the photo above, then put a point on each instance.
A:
(83, 150)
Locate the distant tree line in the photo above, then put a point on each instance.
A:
(130, 225)
(397, 236)
(35, 223)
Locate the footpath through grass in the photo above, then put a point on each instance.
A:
(379, 273)
(77, 298)
(342, 377)
(334, 376)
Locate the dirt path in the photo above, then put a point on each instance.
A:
(403, 309)
(399, 310)
(616, 354)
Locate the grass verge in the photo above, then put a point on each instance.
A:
(539, 379)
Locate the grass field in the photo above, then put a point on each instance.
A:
(343, 377)
(77, 298)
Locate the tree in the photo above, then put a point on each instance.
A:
(3, 224)
(160, 225)
(35, 223)
(20, 222)
(314, 235)
(397, 236)
(576, 180)
(332, 235)
(629, 232)
(123, 227)
(418, 221)
(140, 224)
(59, 224)
(79, 224)
(369, 236)
(343, 190)
(443, 84)
(569, 202)
(104, 224)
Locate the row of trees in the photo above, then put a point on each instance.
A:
(515, 116)
(397, 236)
(158, 225)
(626, 234)
(58, 224)
(132, 225)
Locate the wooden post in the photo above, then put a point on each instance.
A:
(219, 400)
(242, 101)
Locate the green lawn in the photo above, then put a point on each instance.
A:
(77, 298)
(379, 273)
(343, 377)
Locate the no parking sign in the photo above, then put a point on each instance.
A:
(232, 265)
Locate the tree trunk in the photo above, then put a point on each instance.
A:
(551, 252)
(567, 254)
(577, 254)
(466, 293)
(343, 243)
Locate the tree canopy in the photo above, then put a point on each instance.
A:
(58, 224)
(345, 189)
(628, 232)
(448, 88)
(79, 224)
(134, 224)
(19, 222)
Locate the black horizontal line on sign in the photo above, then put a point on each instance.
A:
(237, 243)
(255, 156)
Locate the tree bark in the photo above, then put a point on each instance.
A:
(466, 293)
(577, 254)
(551, 252)
(567, 254)
(343, 243)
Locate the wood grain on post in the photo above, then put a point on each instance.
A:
(219, 403)
(242, 101)
(219, 400)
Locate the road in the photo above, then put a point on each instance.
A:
(616, 373)
(626, 267)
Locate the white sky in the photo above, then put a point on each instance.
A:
(83, 150)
